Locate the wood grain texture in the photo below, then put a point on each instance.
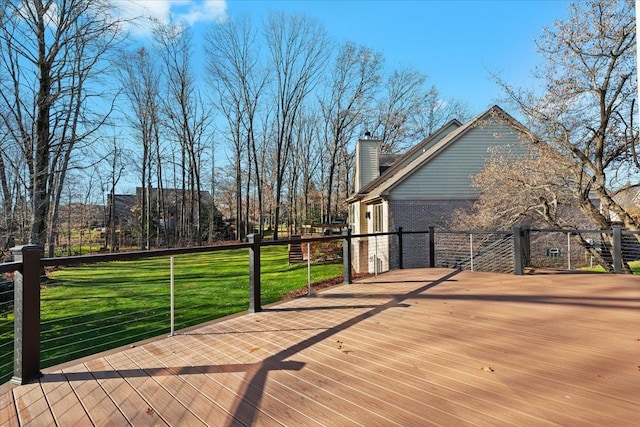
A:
(419, 347)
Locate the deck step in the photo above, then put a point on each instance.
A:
(295, 251)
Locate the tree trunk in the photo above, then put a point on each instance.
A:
(143, 199)
(40, 199)
(7, 198)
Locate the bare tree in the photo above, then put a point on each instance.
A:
(308, 157)
(523, 187)
(140, 80)
(116, 160)
(51, 50)
(405, 94)
(298, 54)
(187, 118)
(305, 159)
(14, 184)
(435, 113)
(353, 83)
(9, 176)
(533, 188)
(234, 63)
(214, 188)
(584, 113)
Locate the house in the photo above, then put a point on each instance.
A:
(125, 214)
(629, 200)
(424, 186)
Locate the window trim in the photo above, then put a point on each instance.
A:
(378, 223)
(352, 216)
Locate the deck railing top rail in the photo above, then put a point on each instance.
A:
(136, 255)
(10, 267)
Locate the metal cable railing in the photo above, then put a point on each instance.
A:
(104, 301)
(475, 251)
(91, 307)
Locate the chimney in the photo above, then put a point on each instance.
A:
(367, 150)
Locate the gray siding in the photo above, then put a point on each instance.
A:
(366, 162)
(449, 174)
(445, 131)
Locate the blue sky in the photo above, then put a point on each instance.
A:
(456, 43)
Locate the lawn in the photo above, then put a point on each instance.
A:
(633, 265)
(88, 309)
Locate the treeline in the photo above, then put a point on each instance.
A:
(259, 116)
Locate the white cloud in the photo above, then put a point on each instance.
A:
(208, 10)
(188, 12)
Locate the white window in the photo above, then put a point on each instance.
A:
(352, 217)
(377, 218)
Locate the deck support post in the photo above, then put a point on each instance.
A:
(521, 248)
(518, 266)
(26, 324)
(400, 251)
(432, 247)
(617, 248)
(346, 255)
(254, 273)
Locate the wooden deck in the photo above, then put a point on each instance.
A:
(408, 348)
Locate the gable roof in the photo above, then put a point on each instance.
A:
(628, 197)
(386, 160)
(401, 160)
(402, 170)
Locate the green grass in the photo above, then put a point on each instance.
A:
(634, 265)
(85, 249)
(92, 308)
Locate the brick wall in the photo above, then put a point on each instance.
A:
(418, 215)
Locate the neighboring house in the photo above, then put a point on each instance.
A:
(127, 210)
(424, 186)
(629, 200)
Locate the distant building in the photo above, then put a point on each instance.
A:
(127, 213)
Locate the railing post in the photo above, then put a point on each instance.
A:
(346, 255)
(569, 250)
(26, 324)
(254, 273)
(526, 245)
(617, 248)
(471, 250)
(172, 295)
(518, 266)
(400, 250)
(432, 247)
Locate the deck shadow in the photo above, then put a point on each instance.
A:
(287, 365)
(258, 380)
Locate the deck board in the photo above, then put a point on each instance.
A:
(199, 398)
(246, 379)
(32, 405)
(159, 401)
(97, 402)
(410, 347)
(64, 403)
(134, 408)
(8, 411)
(209, 382)
(307, 383)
